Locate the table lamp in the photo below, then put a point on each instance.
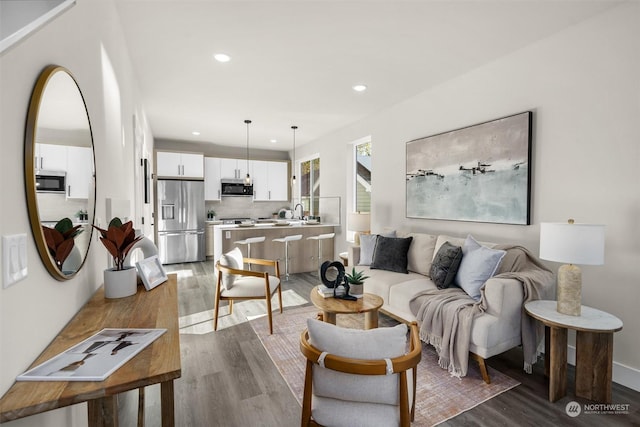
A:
(573, 244)
(359, 222)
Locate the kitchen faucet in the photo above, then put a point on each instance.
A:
(301, 210)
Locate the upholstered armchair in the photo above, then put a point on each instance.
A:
(359, 377)
(235, 283)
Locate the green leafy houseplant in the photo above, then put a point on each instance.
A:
(119, 239)
(60, 239)
(355, 277)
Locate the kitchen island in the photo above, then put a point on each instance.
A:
(303, 254)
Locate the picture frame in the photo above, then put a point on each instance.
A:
(151, 272)
(480, 173)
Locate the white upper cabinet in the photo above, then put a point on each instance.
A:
(51, 157)
(233, 168)
(270, 181)
(79, 172)
(180, 165)
(212, 175)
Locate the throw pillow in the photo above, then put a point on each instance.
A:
(368, 246)
(372, 344)
(445, 265)
(420, 253)
(479, 263)
(232, 259)
(391, 254)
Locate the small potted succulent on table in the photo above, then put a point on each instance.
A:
(356, 279)
(119, 239)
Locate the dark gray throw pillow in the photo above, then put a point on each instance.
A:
(391, 254)
(445, 265)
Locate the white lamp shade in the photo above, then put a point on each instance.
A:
(359, 221)
(572, 243)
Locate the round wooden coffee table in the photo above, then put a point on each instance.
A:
(368, 304)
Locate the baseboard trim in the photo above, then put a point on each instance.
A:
(622, 374)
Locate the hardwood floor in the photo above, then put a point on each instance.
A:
(228, 378)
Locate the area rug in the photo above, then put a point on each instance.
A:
(439, 396)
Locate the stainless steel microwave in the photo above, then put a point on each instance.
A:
(236, 188)
(51, 181)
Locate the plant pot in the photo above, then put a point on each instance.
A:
(120, 283)
(356, 290)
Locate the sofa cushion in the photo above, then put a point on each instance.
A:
(420, 253)
(445, 265)
(478, 264)
(391, 254)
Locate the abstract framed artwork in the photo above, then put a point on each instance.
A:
(151, 272)
(479, 173)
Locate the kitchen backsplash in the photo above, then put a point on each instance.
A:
(244, 207)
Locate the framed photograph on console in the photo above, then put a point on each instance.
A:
(151, 272)
(479, 173)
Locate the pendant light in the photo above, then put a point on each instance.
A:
(293, 176)
(247, 179)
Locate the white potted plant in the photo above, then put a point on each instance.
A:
(119, 239)
(356, 279)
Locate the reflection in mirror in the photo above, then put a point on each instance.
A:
(60, 172)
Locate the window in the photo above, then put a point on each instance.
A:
(362, 167)
(310, 186)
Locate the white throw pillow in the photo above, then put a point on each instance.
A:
(369, 344)
(479, 263)
(232, 259)
(420, 255)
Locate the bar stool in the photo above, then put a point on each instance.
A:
(320, 238)
(286, 241)
(248, 241)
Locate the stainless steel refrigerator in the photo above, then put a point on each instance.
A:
(181, 221)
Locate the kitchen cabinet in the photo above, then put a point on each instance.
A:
(79, 172)
(179, 165)
(51, 157)
(233, 168)
(212, 175)
(270, 180)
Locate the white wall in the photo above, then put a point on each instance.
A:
(87, 40)
(583, 85)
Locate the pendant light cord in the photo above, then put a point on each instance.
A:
(248, 122)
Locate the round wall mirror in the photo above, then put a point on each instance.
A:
(59, 172)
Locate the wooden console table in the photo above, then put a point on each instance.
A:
(594, 349)
(158, 363)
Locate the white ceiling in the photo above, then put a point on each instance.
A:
(294, 62)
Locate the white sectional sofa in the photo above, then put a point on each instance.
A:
(493, 331)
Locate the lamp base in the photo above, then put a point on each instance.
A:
(569, 292)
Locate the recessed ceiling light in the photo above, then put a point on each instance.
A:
(195, 132)
(273, 141)
(222, 57)
(359, 88)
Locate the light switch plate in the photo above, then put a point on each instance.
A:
(14, 259)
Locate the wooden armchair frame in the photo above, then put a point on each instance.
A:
(267, 292)
(400, 364)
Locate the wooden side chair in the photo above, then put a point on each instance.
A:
(235, 283)
(359, 377)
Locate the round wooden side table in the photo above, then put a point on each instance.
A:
(368, 304)
(594, 349)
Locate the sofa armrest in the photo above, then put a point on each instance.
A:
(504, 297)
(354, 255)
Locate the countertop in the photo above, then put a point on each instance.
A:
(293, 224)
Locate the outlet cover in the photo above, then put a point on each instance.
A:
(14, 259)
